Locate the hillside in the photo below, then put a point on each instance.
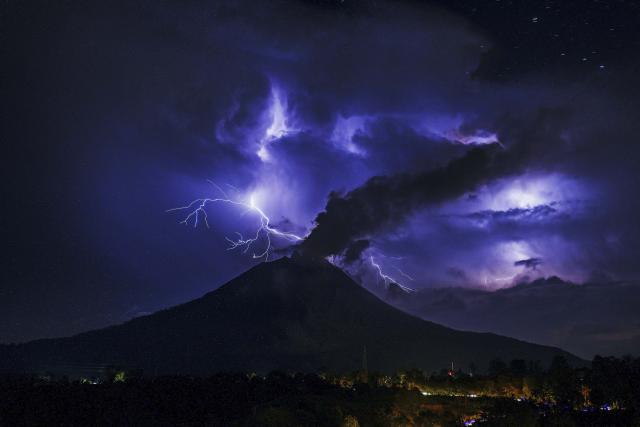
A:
(291, 314)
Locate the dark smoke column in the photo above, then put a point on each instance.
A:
(386, 200)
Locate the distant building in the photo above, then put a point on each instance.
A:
(451, 372)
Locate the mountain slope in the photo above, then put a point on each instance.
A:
(292, 314)
(586, 319)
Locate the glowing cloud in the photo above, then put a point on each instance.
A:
(478, 138)
(344, 131)
(511, 254)
(529, 191)
(279, 125)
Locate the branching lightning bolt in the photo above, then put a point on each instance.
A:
(197, 210)
(404, 274)
(386, 278)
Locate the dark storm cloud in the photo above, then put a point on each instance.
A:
(354, 250)
(413, 150)
(386, 200)
(532, 263)
(535, 213)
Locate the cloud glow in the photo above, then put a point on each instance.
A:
(279, 122)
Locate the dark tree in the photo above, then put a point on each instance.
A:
(518, 367)
(497, 367)
(562, 382)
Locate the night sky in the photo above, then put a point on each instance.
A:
(474, 144)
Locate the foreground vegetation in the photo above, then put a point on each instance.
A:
(514, 394)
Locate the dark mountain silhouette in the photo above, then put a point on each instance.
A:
(290, 314)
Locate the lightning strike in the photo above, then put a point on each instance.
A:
(403, 274)
(388, 279)
(197, 210)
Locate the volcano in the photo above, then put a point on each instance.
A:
(292, 314)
